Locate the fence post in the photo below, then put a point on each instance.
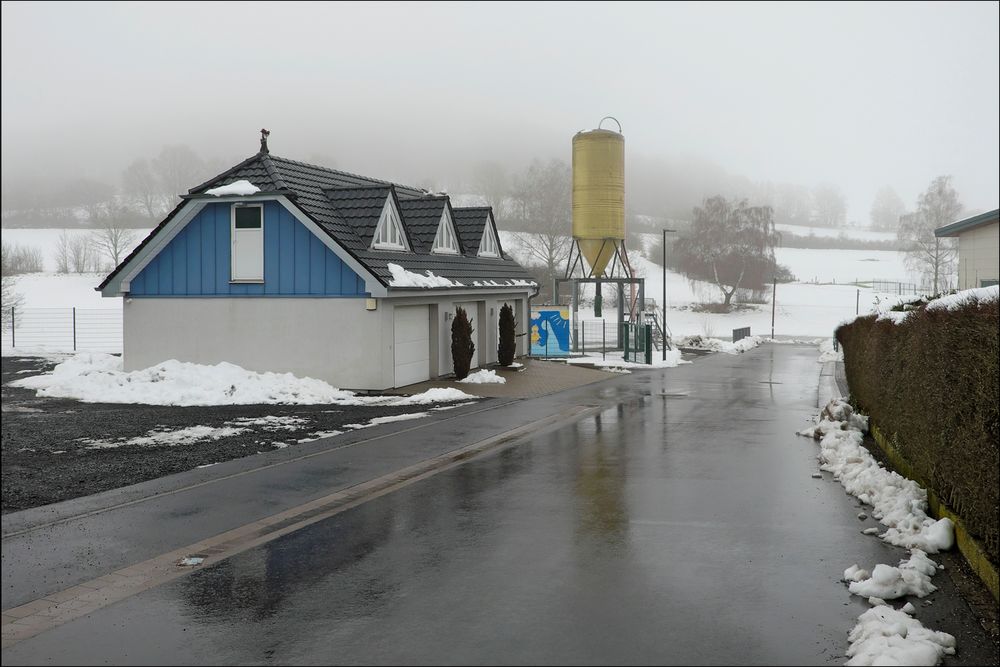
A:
(74, 328)
(583, 337)
(13, 328)
(857, 302)
(604, 340)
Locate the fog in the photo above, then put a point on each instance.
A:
(860, 96)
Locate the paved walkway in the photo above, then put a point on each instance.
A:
(535, 378)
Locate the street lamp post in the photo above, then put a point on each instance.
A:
(774, 285)
(663, 329)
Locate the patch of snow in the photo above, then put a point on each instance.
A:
(160, 437)
(99, 378)
(718, 345)
(385, 420)
(318, 435)
(897, 502)
(434, 395)
(191, 561)
(271, 422)
(483, 376)
(615, 361)
(452, 407)
(827, 353)
(965, 297)
(856, 573)
(911, 577)
(886, 636)
(403, 278)
(241, 187)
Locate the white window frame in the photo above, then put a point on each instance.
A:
(446, 240)
(390, 223)
(233, 278)
(489, 233)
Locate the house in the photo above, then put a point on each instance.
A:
(978, 248)
(278, 265)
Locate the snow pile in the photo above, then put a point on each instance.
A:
(242, 187)
(719, 345)
(614, 362)
(403, 278)
(886, 636)
(99, 378)
(897, 502)
(483, 376)
(911, 577)
(433, 395)
(827, 353)
(965, 297)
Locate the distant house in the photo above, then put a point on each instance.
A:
(978, 248)
(278, 265)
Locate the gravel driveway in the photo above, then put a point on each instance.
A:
(57, 449)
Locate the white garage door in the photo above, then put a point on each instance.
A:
(412, 344)
(472, 311)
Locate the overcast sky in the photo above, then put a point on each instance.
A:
(858, 95)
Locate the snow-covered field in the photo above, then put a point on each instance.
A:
(851, 233)
(811, 307)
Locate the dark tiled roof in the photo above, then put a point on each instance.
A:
(347, 207)
(422, 217)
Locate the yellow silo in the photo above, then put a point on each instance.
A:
(599, 195)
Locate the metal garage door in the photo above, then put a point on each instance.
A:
(412, 344)
(472, 311)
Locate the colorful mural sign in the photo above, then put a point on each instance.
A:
(550, 331)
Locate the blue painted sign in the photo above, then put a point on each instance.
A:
(550, 331)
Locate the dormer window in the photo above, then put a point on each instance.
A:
(489, 246)
(389, 233)
(446, 241)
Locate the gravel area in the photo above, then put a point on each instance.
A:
(57, 449)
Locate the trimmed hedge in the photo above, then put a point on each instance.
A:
(462, 347)
(930, 384)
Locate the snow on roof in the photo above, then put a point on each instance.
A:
(242, 187)
(403, 278)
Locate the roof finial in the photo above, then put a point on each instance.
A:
(263, 140)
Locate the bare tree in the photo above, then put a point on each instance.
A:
(112, 239)
(62, 252)
(139, 184)
(887, 209)
(10, 298)
(730, 245)
(541, 212)
(829, 206)
(489, 179)
(177, 168)
(932, 256)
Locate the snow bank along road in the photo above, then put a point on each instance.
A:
(677, 523)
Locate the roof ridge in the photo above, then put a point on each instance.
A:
(273, 172)
(225, 173)
(347, 173)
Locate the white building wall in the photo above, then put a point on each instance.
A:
(979, 255)
(332, 339)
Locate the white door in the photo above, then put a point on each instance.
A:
(411, 344)
(472, 312)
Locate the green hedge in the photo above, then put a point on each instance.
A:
(930, 383)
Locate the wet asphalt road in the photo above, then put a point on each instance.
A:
(680, 525)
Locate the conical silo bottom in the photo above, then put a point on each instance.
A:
(597, 252)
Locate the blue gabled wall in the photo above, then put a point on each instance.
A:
(196, 262)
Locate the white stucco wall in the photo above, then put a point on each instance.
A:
(978, 255)
(332, 339)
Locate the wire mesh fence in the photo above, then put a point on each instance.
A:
(63, 330)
